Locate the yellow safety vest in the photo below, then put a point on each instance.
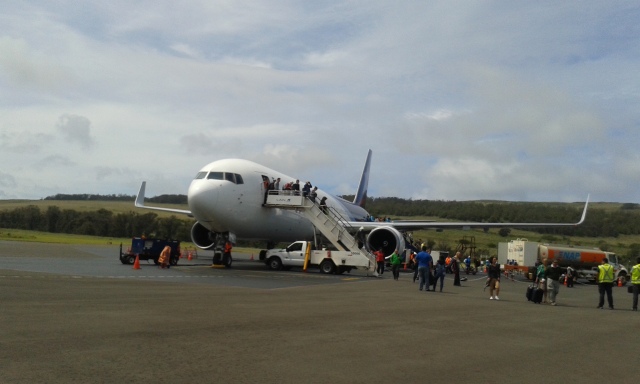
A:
(635, 274)
(606, 273)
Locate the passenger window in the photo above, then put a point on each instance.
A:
(201, 175)
(239, 179)
(216, 176)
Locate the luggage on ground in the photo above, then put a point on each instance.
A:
(530, 292)
(537, 295)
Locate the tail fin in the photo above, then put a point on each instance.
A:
(361, 195)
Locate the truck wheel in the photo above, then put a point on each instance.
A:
(274, 263)
(131, 259)
(173, 261)
(327, 267)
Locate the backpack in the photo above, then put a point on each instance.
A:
(440, 268)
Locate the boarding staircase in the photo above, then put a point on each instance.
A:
(333, 226)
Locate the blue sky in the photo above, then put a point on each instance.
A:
(459, 100)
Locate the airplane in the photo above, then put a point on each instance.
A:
(227, 197)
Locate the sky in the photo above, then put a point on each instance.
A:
(458, 100)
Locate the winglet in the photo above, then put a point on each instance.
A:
(140, 198)
(584, 212)
(139, 203)
(361, 195)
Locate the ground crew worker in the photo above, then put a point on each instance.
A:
(605, 283)
(165, 257)
(635, 283)
(227, 252)
(379, 261)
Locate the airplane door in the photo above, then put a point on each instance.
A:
(265, 188)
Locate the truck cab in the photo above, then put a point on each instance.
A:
(291, 256)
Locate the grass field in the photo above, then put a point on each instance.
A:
(88, 205)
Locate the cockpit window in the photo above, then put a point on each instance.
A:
(216, 176)
(232, 177)
(201, 175)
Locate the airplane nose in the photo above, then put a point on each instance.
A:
(202, 198)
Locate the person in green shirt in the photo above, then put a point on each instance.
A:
(396, 261)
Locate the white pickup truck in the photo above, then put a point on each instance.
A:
(328, 261)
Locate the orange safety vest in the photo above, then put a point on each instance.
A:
(227, 247)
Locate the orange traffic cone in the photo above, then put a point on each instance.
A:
(251, 257)
(565, 281)
(136, 264)
(189, 256)
(619, 281)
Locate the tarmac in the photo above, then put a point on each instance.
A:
(75, 314)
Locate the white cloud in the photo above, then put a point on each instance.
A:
(453, 106)
(75, 129)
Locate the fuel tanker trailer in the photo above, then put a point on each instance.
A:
(585, 261)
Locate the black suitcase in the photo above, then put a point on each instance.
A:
(537, 295)
(530, 292)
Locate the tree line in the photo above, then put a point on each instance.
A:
(599, 223)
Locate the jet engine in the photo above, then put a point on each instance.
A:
(387, 238)
(202, 237)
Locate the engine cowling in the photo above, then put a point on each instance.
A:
(202, 237)
(386, 238)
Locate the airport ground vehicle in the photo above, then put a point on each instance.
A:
(149, 249)
(301, 254)
(522, 254)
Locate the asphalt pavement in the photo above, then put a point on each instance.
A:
(75, 314)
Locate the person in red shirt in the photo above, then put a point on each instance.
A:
(380, 260)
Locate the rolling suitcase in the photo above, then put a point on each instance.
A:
(530, 292)
(537, 295)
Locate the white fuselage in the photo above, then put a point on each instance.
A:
(223, 202)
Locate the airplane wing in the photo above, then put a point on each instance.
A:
(140, 203)
(417, 225)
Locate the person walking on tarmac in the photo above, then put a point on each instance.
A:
(553, 274)
(635, 283)
(395, 264)
(424, 260)
(440, 271)
(379, 261)
(605, 283)
(414, 266)
(493, 279)
(165, 257)
(570, 276)
(455, 269)
(226, 256)
(541, 279)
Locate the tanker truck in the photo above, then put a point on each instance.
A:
(524, 255)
